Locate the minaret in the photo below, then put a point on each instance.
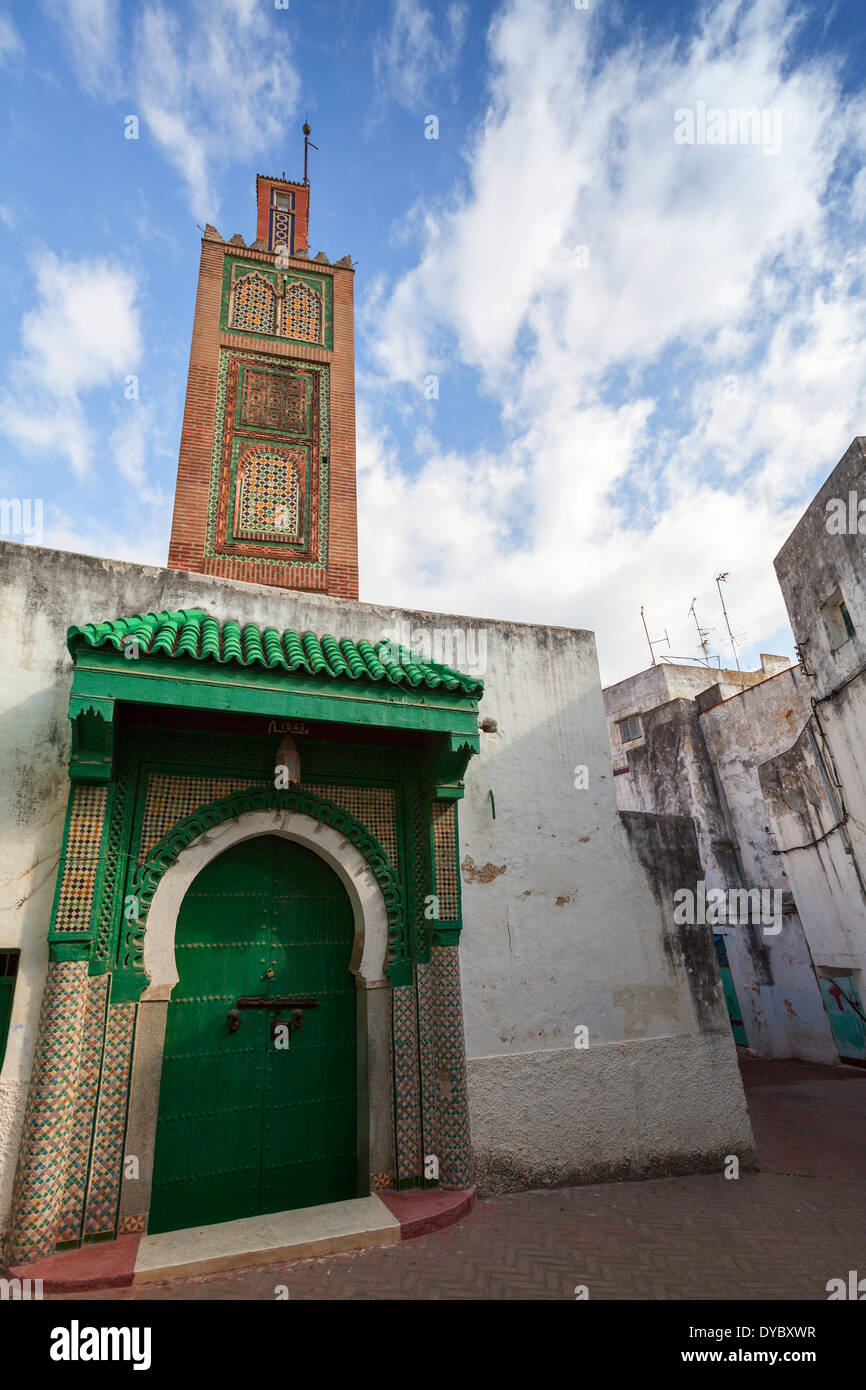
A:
(266, 475)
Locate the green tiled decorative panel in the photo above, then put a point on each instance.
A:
(295, 305)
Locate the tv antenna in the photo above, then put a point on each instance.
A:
(720, 580)
(658, 641)
(703, 633)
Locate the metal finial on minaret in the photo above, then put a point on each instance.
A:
(308, 145)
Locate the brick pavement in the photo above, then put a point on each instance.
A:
(764, 1235)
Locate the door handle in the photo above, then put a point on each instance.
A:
(234, 1020)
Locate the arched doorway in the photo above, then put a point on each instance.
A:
(255, 1118)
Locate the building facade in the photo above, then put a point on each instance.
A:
(290, 925)
(769, 765)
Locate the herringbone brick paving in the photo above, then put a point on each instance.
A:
(761, 1236)
(777, 1234)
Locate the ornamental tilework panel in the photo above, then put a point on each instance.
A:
(269, 493)
(171, 799)
(254, 305)
(445, 857)
(106, 1164)
(427, 1055)
(388, 1179)
(282, 227)
(81, 859)
(37, 1198)
(132, 1225)
(455, 1152)
(374, 807)
(406, 1098)
(273, 401)
(302, 313)
(316, 432)
(84, 1110)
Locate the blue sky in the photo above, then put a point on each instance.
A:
(648, 348)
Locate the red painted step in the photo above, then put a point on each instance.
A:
(104, 1264)
(419, 1213)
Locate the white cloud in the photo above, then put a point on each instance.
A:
(211, 82)
(418, 51)
(145, 545)
(669, 402)
(81, 334)
(91, 30)
(11, 43)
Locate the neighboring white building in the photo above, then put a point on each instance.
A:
(687, 741)
(816, 792)
(771, 766)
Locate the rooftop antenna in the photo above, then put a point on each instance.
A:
(658, 640)
(720, 580)
(703, 633)
(308, 145)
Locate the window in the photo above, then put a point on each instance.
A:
(302, 315)
(281, 224)
(630, 729)
(254, 305)
(8, 972)
(837, 619)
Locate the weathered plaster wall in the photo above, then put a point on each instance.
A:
(811, 565)
(699, 757)
(669, 772)
(741, 734)
(34, 743)
(671, 681)
(813, 561)
(561, 925)
(632, 1108)
(823, 876)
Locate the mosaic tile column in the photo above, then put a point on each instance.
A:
(57, 1100)
(455, 1149)
(428, 1061)
(84, 1110)
(40, 1178)
(106, 1160)
(407, 1101)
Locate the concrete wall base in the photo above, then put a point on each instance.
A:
(614, 1111)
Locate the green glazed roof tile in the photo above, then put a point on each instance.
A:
(193, 634)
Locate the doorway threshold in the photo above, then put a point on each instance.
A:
(257, 1240)
(383, 1218)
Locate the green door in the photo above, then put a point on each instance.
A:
(246, 1124)
(735, 1013)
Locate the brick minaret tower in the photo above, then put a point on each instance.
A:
(266, 475)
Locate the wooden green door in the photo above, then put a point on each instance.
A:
(246, 1124)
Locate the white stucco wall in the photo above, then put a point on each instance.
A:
(742, 733)
(561, 925)
(815, 562)
(701, 757)
(823, 875)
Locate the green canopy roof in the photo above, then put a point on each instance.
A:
(193, 634)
